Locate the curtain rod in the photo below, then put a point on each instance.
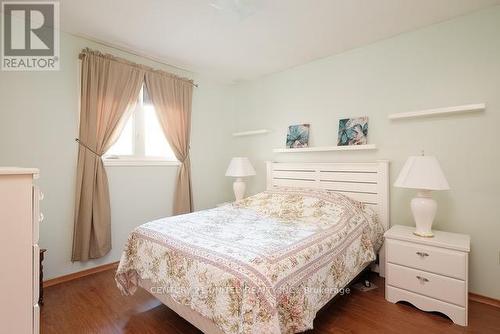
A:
(129, 51)
(87, 51)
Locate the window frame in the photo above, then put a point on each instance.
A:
(139, 157)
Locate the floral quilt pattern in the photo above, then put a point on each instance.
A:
(265, 264)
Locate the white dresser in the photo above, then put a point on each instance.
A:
(430, 273)
(19, 251)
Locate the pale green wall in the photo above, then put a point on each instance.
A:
(38, 124)
(453, 63)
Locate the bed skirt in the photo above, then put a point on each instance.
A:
(196, 319)
(206, 325)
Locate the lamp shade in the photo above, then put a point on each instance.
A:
(422, 172)
(240, 167)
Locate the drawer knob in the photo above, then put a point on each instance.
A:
(422, 254)
(422, 279)
(41, 196)
(41, 217)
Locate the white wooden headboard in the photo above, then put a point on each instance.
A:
(365, 182)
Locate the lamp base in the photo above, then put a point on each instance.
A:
(239, 188)
(424, 210)
(424, 235)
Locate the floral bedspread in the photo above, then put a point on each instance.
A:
(265, 264)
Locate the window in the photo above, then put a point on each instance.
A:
(142, 140)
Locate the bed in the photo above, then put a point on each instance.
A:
(270, 262)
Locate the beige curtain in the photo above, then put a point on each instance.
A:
(172, 97)
(109, 89)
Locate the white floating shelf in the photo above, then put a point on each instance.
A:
(250, 133)
(440, 111)
(326, 148)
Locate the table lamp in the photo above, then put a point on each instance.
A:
(239, 168)
(424, 174)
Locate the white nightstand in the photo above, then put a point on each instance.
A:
(430, 273)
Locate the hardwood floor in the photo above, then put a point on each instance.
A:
(93, 304)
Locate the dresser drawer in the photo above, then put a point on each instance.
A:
(36, 273)
(36, 319)
(436, 260)
(439, 287)
(37, 216)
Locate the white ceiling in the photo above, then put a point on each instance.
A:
(220, 38)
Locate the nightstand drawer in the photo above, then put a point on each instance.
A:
(437, 260)
(439, 287)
